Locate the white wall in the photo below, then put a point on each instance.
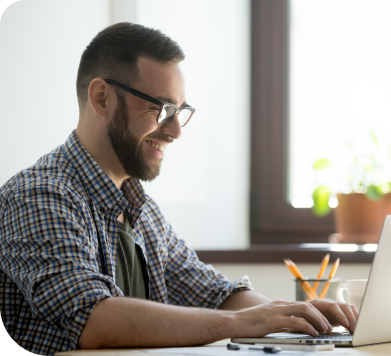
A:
(203, 188)
(41, 43)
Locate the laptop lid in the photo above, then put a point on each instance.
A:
(373, 324)
(373, 321)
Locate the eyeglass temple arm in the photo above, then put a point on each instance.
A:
(135, 92)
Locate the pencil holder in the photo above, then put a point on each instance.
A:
(301, 295)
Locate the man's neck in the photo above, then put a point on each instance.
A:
(121, 218)
(99, 147)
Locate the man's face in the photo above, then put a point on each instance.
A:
(137, 138)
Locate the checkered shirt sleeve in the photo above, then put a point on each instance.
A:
(46, 250)
(188, 281)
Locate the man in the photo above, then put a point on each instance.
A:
(86, 257)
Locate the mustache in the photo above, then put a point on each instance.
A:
(159, 136)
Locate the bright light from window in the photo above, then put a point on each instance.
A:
(344, 247)
(309, 203)
(370, 247)
(333, 202)
(302, 203)
(340, 77)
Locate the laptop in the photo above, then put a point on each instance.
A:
(373, 324)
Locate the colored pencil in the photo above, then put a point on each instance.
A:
(304, 284)
(332, 274)
(321, 271)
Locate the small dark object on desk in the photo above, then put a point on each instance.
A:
(266, 349)
(233, 347)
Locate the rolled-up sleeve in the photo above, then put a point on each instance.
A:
(190, 282)
(47, 250)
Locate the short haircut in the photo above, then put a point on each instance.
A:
(113, 54)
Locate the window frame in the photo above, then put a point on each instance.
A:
(277, 229)
(273, 219)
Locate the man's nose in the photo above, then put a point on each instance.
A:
(172, 128)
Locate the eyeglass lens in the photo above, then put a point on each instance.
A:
(169, 111)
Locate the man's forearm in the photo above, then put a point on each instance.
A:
(130, 322)
(244, 299)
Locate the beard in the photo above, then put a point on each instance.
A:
(129, 151)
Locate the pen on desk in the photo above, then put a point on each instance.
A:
(266, 349)
(332, 274)
(273, 348)
(321, 271)
(304, 284)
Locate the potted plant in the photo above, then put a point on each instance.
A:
(358, 185)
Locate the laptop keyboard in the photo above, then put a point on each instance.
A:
(331, 336)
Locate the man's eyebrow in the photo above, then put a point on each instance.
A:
(169, 100)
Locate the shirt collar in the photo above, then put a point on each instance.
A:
(101, 188)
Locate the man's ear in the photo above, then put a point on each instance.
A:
(99, 97)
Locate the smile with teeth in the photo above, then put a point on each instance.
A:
(154, 145)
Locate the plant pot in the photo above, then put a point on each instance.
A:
(358, 219)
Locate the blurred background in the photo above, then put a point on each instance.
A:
(277, 85)
(203, 188)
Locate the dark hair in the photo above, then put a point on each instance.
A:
(114, 51)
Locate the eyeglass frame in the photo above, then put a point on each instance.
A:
(152, 100)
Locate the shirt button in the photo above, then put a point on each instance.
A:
(102, 209)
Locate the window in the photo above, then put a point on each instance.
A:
(339, 86)
(320, 78)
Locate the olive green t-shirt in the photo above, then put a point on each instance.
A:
(129, 270)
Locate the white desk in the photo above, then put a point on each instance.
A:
(380, 349)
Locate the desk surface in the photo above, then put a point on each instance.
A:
(380, 349)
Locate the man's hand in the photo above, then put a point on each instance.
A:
(273, 316)
(317, 315)
(337, 313)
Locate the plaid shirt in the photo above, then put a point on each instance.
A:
(58, 246)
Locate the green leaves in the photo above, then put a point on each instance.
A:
(321, 194)
(363, 166)
(321, 198)
(374, 192)
(322, 163)
(374, 139)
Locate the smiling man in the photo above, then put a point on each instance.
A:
(86, 257)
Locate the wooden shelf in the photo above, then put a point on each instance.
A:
(300, 253)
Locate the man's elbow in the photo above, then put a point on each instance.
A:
(89, 339)
(94, 333)
(97, 334)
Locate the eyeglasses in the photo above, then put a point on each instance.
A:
(167, 110)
